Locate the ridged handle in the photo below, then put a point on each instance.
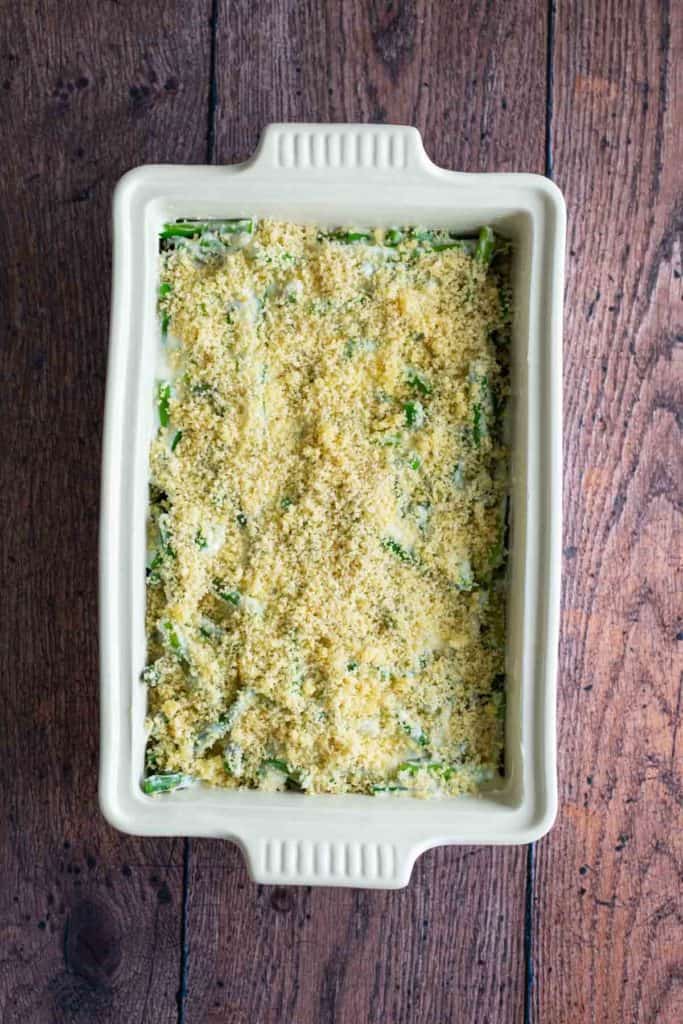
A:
(296, 861)
(315, 149)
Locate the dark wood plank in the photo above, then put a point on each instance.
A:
(450, 947)
(89, 920)
(607, 901)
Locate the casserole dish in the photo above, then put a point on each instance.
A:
(377, 175)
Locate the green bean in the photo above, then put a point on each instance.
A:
(389, 544)
(165, 536)
(153, 577)
(174, 640)
(293, 777)
(417, 381)
(413, 767)
(243, 226)
(182, 229)
(477, 430)
(441, 240)
(393, 236)
(165, 782)
(177, 437)
(163, 402)
(348, 235)
(414, 414)
(193, 228)
(165, 289)
(416, 734)
(232, 597)
(422, 234)
(484, 251)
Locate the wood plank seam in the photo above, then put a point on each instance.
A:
(529, 951)
(213, 88)
(184, 936)
(549, 87)
(529, 934)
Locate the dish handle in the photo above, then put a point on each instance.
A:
(316, 150)
(366, 864)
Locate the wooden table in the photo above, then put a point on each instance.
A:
(99, 927)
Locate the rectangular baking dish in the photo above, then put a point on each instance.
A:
(376, 175)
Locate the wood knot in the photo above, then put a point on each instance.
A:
(393, 33)
(282, 900)
(92, 942)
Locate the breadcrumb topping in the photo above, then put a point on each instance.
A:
(326, 592)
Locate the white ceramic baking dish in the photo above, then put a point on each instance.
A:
(336, 175)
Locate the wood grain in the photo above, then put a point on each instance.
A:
(608, 922)
(470, 78)
(89, 920)
(450, 947)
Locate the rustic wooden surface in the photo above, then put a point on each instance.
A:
(98, 927)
